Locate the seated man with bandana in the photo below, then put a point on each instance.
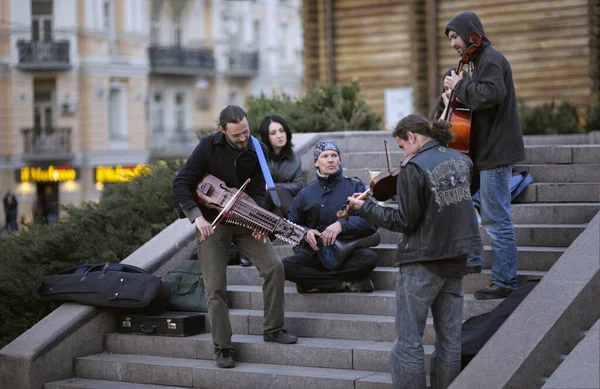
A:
(315, 209)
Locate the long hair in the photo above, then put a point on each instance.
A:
(438, 130)
(439, 107)
(231, 114)
(264, 132)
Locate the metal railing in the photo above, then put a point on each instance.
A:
(178, 60)
(43, 54)
(48, 140)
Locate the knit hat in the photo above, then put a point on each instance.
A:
(325, 145)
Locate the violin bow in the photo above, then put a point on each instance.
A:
(229, 205)
(387, 154)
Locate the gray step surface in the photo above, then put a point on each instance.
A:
(379, 302)
(325, 325)
(84, 383)
(548, 213)
(574, 192)
(540, 173)
(384, 278)
(581, 368)
(308, 352)
(530, 257)
(197, 373)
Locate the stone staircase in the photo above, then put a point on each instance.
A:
(346, 338)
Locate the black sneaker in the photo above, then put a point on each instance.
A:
(280, 336)
(226, 359)
(473, 269)
(362, 285)
(492, 291)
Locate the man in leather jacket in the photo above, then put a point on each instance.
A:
(436, 216)
(315, 209)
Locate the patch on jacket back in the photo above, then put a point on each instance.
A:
(450, 183)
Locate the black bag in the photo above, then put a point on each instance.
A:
(115, 286)
(187, 285)
(165, 324)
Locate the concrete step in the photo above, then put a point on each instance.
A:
(324, 325)
(83, 383)
(548, 213)
(580, 154)
(379, 302)
(530, 257)
(540, 173)
(308, 352)
(384, 278)
(574, 192)
(199, 373)
(547, 155)
(563, 173)
(580, 367)
(540, 235)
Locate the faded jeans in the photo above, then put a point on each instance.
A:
(496, 220)
(417, 290)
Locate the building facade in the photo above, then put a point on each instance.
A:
(205, 54)
(93, 89)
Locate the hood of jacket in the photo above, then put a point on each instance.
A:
(465, 23)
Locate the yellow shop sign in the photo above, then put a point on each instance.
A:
(119, 173)
(49, 174)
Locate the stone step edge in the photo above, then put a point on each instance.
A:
(86, 383)
(241, 367)
(329, 343)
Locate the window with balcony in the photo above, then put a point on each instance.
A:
(41, 20)
(180, 111)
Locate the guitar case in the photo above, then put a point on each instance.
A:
(115, 286)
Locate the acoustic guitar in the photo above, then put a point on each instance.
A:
(456, 112)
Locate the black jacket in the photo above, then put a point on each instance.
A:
(316, 206)
(496, 136)
(214, 155)
(435, 212)
(286, 171)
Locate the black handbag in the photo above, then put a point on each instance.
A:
(114, 286)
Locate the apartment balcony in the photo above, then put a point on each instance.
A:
(178, 61)
(242, 64)
(43, 55)
(40, 144)
(174, 142)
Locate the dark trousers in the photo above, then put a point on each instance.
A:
(308, 271)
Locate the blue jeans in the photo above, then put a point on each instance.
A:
(417, 290)
(495, 218)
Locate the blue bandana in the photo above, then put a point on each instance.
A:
(325, 145)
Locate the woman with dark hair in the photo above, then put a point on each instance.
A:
(436, 216)
(284, 164)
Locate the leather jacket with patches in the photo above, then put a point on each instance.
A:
(435, 212)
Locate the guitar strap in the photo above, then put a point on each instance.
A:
(266, 173)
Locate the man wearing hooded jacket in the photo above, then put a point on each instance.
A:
(496, 144)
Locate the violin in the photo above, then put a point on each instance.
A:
(456, 112)
(381, 188)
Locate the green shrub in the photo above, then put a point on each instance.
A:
(592, 117)
(324, 108)
(548, 118)
(127, 216)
